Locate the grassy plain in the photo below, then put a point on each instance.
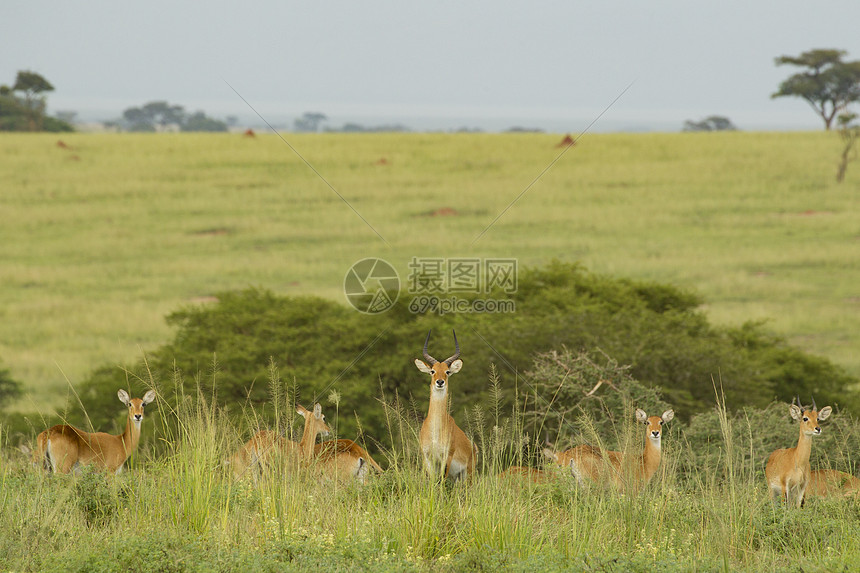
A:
(102, 238)
(182, 511)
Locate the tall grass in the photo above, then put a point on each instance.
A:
(181, 509)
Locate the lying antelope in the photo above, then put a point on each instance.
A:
(67, 448)
(602, 466)
(263, 446)
(446, 450)
(258, 453)
(787, 469)
(523, 472)
(824, 483)
(340, 459)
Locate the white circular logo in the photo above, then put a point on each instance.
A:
(371, 286)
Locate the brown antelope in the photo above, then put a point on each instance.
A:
(263, 446)
(523, 472)
(446, 450)
(823, 483)
(252, 458)
(787, 469)
(67, 448)
(603, 466)
(340, 459)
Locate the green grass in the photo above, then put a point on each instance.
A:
(100, 242)
(180, 510)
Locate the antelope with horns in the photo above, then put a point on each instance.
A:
(67, 448)
(338, 459)
(787, 469)
(602, 466)
(446, 450)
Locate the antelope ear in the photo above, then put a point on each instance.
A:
(550, 454)
(795, 412)
(148, 398)
(317, 411)
(668, 415)
(301, 411)
(422, 366)
(455, 366)
(824, 413)
(123, 396)
(641, 416)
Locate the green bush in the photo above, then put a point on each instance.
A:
(567, 388)
(226, 348)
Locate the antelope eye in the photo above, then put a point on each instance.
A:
(447, 372)
(805, 419)
(661, 422)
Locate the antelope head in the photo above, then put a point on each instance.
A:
(439, 371)
(654, 423)
(809, 418)
(315, 419)
(136, 405)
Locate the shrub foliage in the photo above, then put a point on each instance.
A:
(639, 335)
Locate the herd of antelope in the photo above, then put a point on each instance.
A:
(446, 451)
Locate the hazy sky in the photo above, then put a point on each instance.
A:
(554, 65)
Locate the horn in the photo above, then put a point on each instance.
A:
(456, 355)
(799, 405)
(427, 357)
(814, 407)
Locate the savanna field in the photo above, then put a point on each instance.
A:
(105, 236)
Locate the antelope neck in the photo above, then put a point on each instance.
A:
(131, 434)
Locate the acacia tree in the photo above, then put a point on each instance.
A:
(828, 84)
(310, 121)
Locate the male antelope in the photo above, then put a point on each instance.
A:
(602, 465)
(823, 483)
(340, 459)
(788, 470)
(446, 449)
(67, 448)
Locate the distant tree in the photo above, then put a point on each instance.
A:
(828, 84)
(711, 123)
(198, 121)
(135, 119)
(520, 129)
(153, 116)
(22, 106)
(850, 133)
(159, 115)
(359, 128)
(33, 85)
(309, 122)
